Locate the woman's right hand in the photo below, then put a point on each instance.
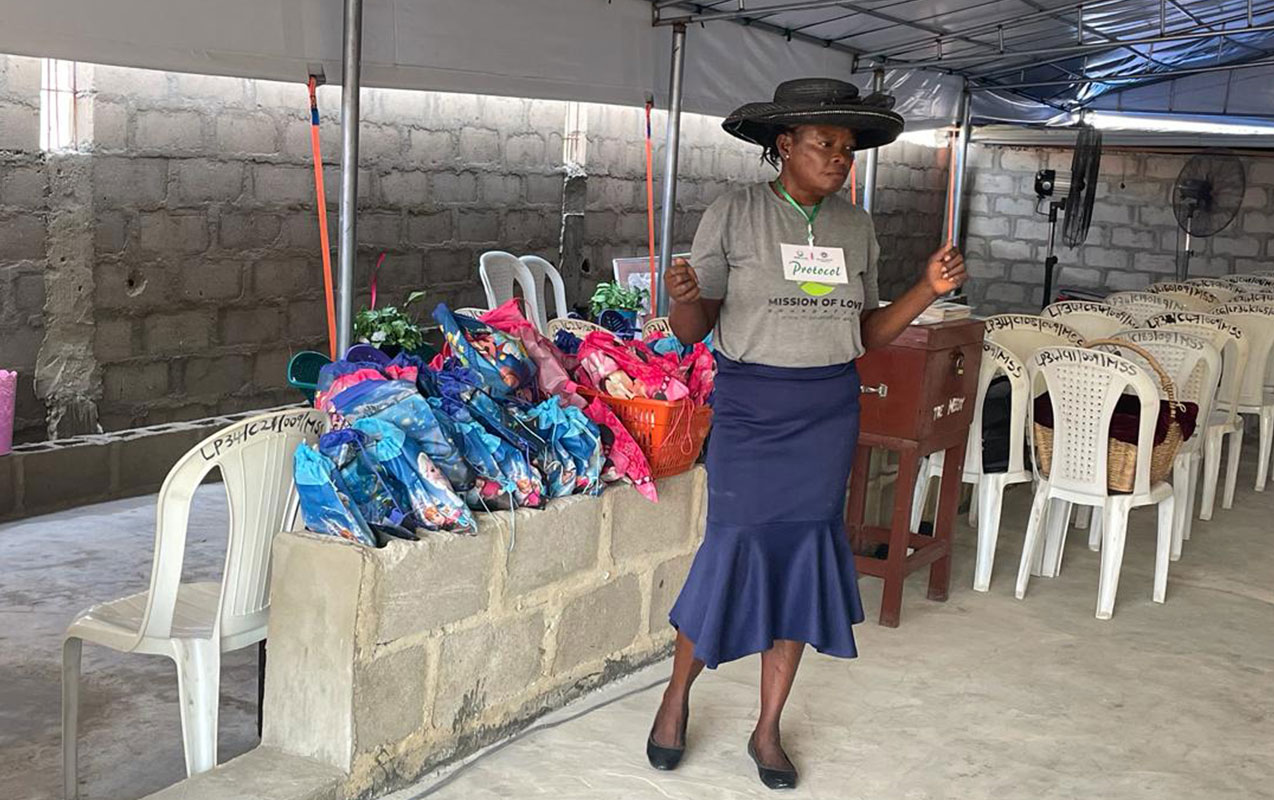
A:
(682, 283)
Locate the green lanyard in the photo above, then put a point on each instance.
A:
(809, 216)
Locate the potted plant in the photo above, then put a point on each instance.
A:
(390, 329)
(610, 296)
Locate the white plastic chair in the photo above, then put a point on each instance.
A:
(499, 270)
(657, 325)
(1255, 397)
(1220, 424)
(1223, 289)
(1023, 334)
(1144, 305)
(1251, 279)
(1090, 320)
(471, 311)
(194, 623)
(989, 500)
(1265, 297)
(1192, 296)
(579, 327)
(547, 278)
(1084, 386)
(1194, 366)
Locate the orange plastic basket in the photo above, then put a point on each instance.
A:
(670, 434)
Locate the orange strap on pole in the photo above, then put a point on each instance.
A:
(322, 218)
(853, 181)
(650, 205)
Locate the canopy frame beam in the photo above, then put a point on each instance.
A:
(351, 84)
(668, 212)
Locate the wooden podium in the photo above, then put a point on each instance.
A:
(918, 398)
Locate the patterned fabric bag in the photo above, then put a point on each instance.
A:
(498, 360)
(417, 484)
(326, 506)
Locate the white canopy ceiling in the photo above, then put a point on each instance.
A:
(586, 50)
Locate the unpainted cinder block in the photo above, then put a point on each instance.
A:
(598, 624)
(665, 586)
(389, 698)
(639, 527)
(553, 544)
(486, 666)
(421, 586)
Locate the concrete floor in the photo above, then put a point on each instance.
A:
(130, 732)
(984, 696)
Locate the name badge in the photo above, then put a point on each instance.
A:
(805, 264)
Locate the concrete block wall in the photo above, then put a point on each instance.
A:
(192, 205)
(1133, 238)
(23, 235)
(389, 663)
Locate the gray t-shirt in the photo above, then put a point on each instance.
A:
(767, 319)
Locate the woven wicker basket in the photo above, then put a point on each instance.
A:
(1121, 457)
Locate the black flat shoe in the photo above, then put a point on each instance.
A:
(667, 758)
(772, 778)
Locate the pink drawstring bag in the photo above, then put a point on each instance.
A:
(550, 372)
(655, 382)
(624, 454)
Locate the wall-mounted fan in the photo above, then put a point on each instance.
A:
(1206, 198)
(1073, 195)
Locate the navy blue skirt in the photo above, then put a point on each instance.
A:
(775, 562)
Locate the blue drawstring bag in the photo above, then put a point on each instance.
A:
(368, 485)
(560, 467)
(584, 443)
(399, 403)
(499, 360)
(325, 503)
(417, 484)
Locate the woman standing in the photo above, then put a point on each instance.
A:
(784, 274)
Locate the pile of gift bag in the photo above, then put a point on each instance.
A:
(502, 418)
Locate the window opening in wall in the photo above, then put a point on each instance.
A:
(57, 106)
(575, 140)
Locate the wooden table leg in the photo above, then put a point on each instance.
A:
(943, 525)
(899, 534)
(856, 506)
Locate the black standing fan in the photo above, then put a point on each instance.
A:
(1206, 198)
(1073, 195)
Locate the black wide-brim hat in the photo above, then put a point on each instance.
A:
(818, 101)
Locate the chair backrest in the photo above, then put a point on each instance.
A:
(547, 279)
(1191, 296)
(255, 459)
(1023, 334)
(1251, 282)
(579, 327)
(657, 325)
(1227, 338)
(499, 270)
(1144, 305)
(1090, 320)
(1259, 298)
(1223, 289)
(996, 361)
(1257, 324)
(470, 311)
(1084, 386)
(1192, 363)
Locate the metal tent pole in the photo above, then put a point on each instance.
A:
(960, 167)
(668, 212)
(351, 63)
(873, 155)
